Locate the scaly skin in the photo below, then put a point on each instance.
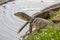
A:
(38, 18)
(45, 12)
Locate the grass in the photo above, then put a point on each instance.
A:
(45, 34)
(49, 33)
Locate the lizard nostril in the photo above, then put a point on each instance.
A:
(15, 14)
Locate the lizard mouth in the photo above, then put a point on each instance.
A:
(16, 14)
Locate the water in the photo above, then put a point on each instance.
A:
(10, 24)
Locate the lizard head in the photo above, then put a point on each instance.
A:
(23, 16)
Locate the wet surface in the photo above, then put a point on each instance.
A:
(10, 24)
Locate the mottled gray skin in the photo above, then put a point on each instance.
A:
(36, 22)
(39, 19)
(45, 13)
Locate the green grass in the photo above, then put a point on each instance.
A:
(45, 34)
(48, 33)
